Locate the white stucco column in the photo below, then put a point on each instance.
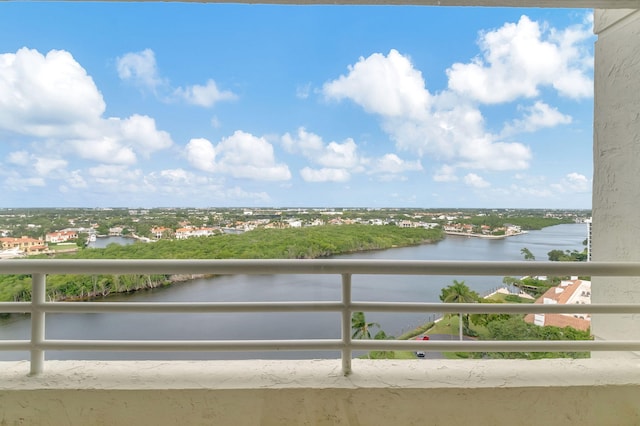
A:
(616, 155)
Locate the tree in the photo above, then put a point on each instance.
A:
(459, 292)
(361, 328)
(381, 335)
(527, 254)
(555, 255)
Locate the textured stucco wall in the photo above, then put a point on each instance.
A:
(404, 392)
(616, 152)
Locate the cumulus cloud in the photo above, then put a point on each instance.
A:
(573, 182)
(140, 68)
(51, 97)
(201, 154)
(338, 161)
(76, 180)
(391, 163)
(538, 116)
(520, 58)
(446, 173)
(332, 155)
(445, 126)
(386, 85)
(476, 181)
(324, 175)
(140, 132)
(46, 95)
(241, 155)
(204, 96)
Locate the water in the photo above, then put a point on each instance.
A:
(102, 242)
(290, 288)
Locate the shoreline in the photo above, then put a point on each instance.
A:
(489, 237)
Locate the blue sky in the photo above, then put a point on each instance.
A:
(218, 105)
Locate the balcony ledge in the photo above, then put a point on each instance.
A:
(588, 391)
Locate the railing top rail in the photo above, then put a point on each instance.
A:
(318, 266)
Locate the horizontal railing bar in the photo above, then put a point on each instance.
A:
(15, 307)
(318, 266)
(329, 344)
(190, 307)
(193, 345)
(324, 306)
(498, 308)
(497, 345)
(15, 345)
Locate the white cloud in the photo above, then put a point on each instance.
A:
(47, 166)
(140, 68)
(391, 163)
(46, 95)
(76, 180)
(204, 96)
(386, 85)
(140, 132)
(52, 98)
(20, 158)
(20, 183)
(446, 173)
(331, 156)
(573, 182)
(104, 150)
(517, 59)
(201, 154)
(538, 116)
(241, 155)
(476, 181)
(324, 175)
(445, 127)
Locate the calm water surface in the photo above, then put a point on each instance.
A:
(286, 288)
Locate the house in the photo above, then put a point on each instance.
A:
(60, 236)
(572, 291)
(25, 244)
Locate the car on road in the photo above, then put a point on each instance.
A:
(421, 354)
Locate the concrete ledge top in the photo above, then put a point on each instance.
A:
(319, 374)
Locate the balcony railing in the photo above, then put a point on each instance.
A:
(343, 269)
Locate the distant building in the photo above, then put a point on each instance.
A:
(569, 292)
(60, 236)
(192, 232)
(25, 244)
(589, 223)
(116, 231)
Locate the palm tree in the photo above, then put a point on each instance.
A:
(459, 292)
(527, 254)
(360, 326)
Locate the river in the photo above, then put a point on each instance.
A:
(285, 288)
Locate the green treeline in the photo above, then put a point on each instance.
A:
(299, 243)
(293, 243)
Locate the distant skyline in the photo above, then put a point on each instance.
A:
(221, 105)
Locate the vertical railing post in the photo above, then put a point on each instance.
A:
(346, 324)
(38, 298)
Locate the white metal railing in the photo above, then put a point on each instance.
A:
(39, 307)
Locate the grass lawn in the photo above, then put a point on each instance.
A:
(63, 246)
(509, 298)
